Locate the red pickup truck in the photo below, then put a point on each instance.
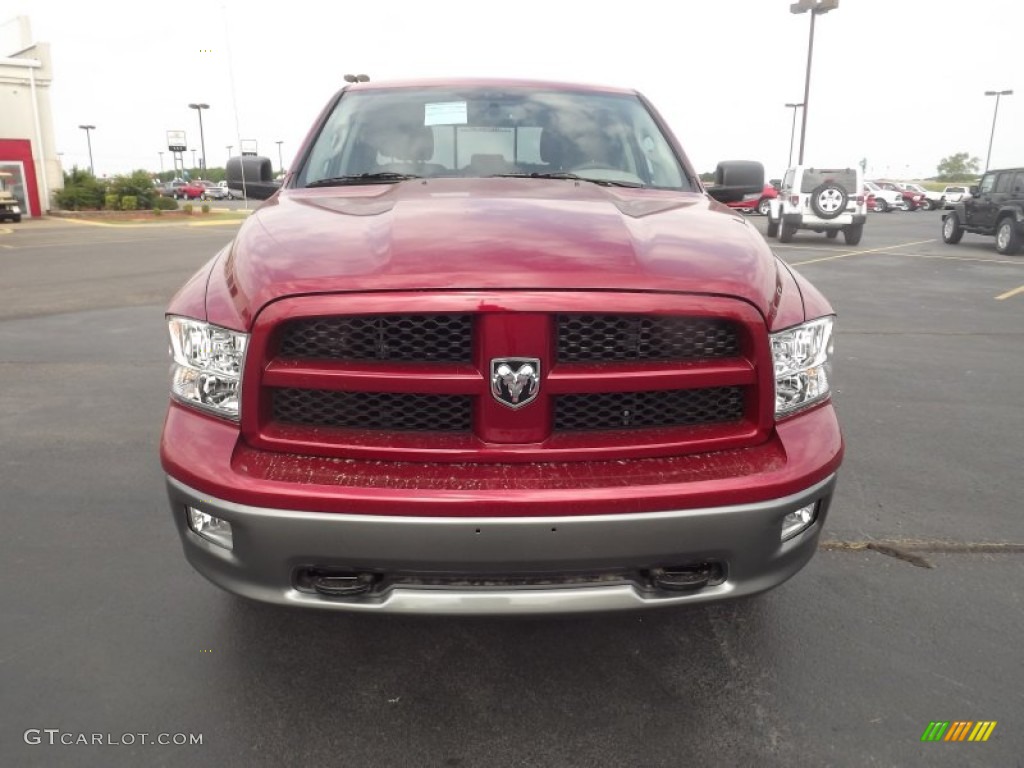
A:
(492, 348)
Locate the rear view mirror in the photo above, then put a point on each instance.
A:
(736, 178)
(973, 190)
(254, 176)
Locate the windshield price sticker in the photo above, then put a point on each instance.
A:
(445, 113)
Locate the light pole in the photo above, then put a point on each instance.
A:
(202, 141)
(161, 161)
(280, 162)
(815, 7)
(997, 94)
(88, 138)
(193, 158)
(792, 132)
(230, 147)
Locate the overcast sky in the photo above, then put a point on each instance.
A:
(898, 82)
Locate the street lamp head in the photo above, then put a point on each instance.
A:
(999, 93)
(87, 127)
(198, 106)
(800, 104)
(350, 79)
(363, 78)
(815, 6)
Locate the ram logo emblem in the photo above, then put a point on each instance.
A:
(515, 381)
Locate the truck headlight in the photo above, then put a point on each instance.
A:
(803, 365)
(206, 367)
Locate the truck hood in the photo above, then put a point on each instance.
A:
(488, 234)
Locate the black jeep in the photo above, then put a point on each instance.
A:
(995, 207)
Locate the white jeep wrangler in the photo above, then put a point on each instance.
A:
(829, 200)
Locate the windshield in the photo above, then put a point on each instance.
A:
(482, 131)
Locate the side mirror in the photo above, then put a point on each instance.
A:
(973, 190)
(736, 178)
(253, 176)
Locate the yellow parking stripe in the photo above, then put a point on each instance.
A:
(859, 253)
(1008, 294)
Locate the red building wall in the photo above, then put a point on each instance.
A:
(13, 150)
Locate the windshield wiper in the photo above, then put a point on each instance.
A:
(385, 177)
(572, 176)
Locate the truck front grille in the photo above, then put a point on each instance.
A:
(635, 410)
(426, 338)
(416, 385)
(619, 338)
(383, 411)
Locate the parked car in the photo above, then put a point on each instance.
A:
(230, 194)
(886, 200)
(931, 200)
(192, 190)
(213, 191)
(994, 208)
(492, 348)
(10, 208)
(826, 200)
(911, 198)
(173, 189)
(756, 202)
(954, 194)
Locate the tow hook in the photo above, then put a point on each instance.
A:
(346, 585)
(686, 578)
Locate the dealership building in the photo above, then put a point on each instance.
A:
(27, 146)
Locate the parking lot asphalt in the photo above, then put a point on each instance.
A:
(912, 612)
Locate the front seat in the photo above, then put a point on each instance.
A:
(558, 151)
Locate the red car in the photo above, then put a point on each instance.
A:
(494, 349)
(192, 190)
(756, 201)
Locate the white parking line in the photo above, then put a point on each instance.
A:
(859, 253)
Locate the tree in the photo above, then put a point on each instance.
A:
(707, 176)
(958, 167)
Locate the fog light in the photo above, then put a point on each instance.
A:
(799, 520)
(211, 528)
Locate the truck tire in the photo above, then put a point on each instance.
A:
(952, 232)
(1008, 240)
(831, 234)
(828, 200)
(773, 227)
(787, 232)
(853, 233)
(763, 206)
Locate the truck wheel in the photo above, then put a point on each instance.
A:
(952, 232)
(881, 206)
(1008, 241)
(831, 234)
(927, 205)
(852, 233)
(787, 232)
(17, 219)
(773, 227)
(829, 200)
(763, 206)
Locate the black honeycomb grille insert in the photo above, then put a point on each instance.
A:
(636, 410)
(384, 411)
(593, 338)
(426, 338)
